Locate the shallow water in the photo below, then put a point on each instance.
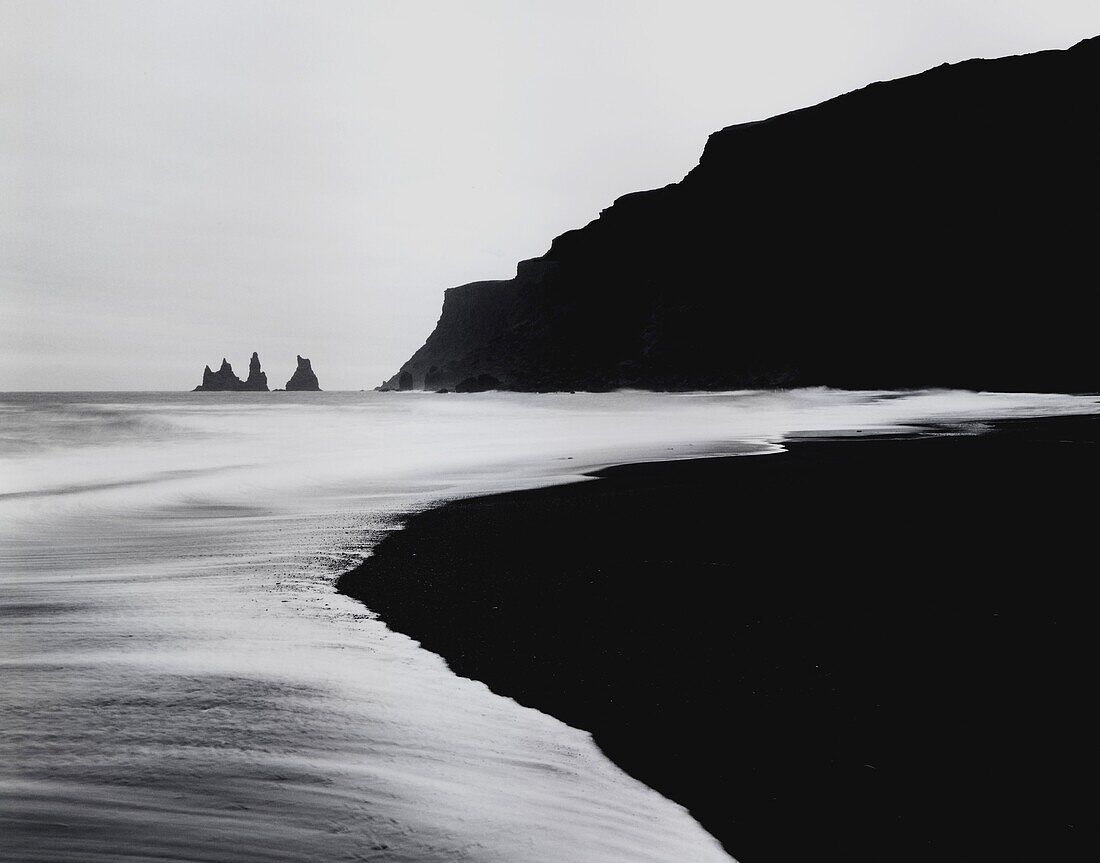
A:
(181, 682)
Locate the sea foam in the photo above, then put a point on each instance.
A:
(182, 683)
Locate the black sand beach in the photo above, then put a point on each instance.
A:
(860, 649)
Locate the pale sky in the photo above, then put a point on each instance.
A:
(186, 180)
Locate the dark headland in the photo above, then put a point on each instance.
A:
(857, 650)
(937, 230)
(860, 649)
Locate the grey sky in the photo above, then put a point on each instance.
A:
(185, 180)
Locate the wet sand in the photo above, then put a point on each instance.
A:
(859, 649)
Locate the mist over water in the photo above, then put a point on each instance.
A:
(182, 683)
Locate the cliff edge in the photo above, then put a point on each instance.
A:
(935, 230)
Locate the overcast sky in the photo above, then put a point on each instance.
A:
(182, 181)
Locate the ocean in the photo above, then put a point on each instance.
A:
(181, 681)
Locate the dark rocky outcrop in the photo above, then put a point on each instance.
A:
(221, 380)
(257, 380)
(303, 378)
(433, 379)
(225, 380)
(480, 384)
(930, 231)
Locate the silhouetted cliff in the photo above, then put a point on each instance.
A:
(936, 230)
(303, 377)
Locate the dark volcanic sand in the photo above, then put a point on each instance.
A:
(868, 649)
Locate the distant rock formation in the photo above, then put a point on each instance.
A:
(935, 230)
(257, 380)
(220, 381)
(224, 380)
(303, 378)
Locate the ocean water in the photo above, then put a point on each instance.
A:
(180, 681)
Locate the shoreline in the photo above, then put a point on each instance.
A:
(857, 647)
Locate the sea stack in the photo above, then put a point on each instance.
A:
(224, 380)
(257, 380)
(220, 381)
(303, 378)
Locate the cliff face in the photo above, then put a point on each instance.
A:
(303, 377)
(936, 230)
